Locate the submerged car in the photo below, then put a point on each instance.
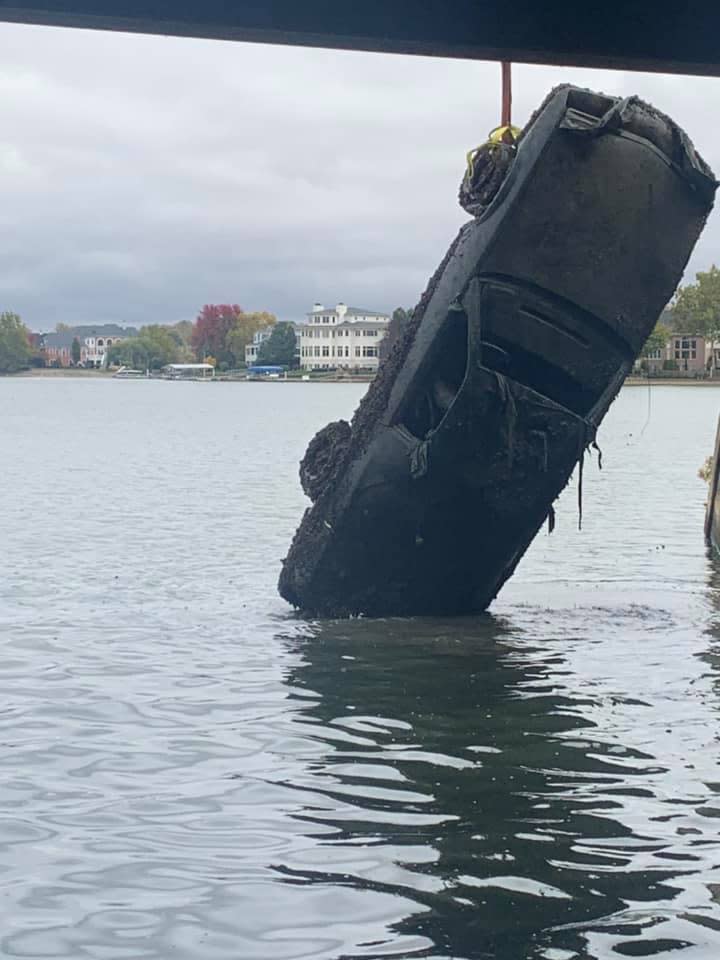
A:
(426, 502)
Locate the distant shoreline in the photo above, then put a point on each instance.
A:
(70, 372)
(61, 373)
(669, 381)
(58, 372)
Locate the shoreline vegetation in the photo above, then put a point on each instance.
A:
(223, 336)
(82, 374)
(635, 381)
(683, 348)
(294, 376)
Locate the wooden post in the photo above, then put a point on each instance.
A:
(506, 93)
(712, 520)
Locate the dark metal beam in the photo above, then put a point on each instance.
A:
(637, 35)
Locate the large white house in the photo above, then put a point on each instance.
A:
(343, 337)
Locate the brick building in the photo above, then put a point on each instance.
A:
(95, 341)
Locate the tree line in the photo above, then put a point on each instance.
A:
(218, 335)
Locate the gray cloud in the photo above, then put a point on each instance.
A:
(144, 176)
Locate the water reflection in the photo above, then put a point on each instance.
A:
(189, 772)
(480, 774)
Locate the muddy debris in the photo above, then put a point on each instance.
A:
(326, 449)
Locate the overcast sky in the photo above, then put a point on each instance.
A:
(142, 177)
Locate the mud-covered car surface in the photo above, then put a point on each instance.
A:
(425, 503)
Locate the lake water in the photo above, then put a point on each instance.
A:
(189, 771)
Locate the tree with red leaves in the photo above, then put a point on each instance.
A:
(213, 323)
(223, 331)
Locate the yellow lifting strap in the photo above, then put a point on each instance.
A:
(507, 134)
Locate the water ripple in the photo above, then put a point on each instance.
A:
(191, 771)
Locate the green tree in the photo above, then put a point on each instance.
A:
(240, 334)
(15, 347)
(657, 340)
(696, 307)
(75, 351)
(129, 353)
(280, 347)
(181, 333)
(153, 348)
(162, 347)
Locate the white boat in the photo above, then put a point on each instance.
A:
(127, 373)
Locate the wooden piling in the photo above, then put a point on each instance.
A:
(712, 510)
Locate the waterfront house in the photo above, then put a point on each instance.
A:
(345, 338)
(712, 355)
(259, 337)
(252, 348)
(688, 351)
(95, 341)
(653, 362)
(685, 354)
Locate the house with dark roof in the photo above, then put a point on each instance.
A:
(95, 340)
(342, 337)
